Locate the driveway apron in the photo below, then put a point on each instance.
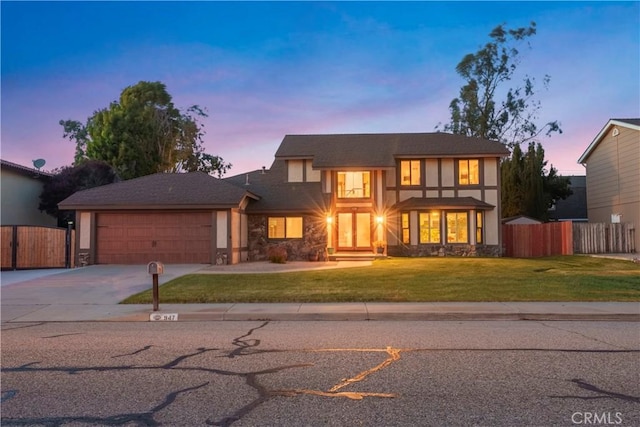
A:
(92, 285)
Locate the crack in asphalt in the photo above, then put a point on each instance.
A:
(579, 334)
(140, 419)
(246, 346)
(145, 348)
(243, 345)
(62, 335)
(4, 328)
(602, 394)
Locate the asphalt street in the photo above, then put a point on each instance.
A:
(375, 373)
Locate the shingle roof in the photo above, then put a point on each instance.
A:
(27, 171)
(381, 150)
(635, 122)
(162, 190)
(278, 195)
(443, 203)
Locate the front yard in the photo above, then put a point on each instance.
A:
(569, 278)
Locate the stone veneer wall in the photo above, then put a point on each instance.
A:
(314, 239)
(445, 250)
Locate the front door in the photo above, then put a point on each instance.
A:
(354, 231)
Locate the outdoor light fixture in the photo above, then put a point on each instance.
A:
(379, 219)
(329, 219)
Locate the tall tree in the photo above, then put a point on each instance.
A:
(476, 112)
(485, 108)
(144, 133)
(68, 180)
(527, 187)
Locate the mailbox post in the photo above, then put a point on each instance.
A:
(155, 268)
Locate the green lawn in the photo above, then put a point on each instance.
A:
(569, 278)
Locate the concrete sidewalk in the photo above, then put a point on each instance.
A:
(602, 311)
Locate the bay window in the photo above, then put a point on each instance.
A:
(429, 227)
(457, 227)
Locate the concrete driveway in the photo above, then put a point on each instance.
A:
(105, 285)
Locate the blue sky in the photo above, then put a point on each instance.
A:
(267, 69)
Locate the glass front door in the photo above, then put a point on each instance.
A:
(354, 231)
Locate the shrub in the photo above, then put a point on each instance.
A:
(277, 255)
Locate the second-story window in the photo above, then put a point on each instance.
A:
(468, 172)
(354, 185)
(410, 172)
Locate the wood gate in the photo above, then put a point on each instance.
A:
(26, 246)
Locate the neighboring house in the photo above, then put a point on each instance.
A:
(520, 220)
(20, 189)
(574, 207)
(416, 194)
(612, 161)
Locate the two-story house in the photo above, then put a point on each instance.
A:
(415, 194)
(612, 161)
(20, 189)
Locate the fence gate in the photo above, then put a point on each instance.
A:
(25, 246)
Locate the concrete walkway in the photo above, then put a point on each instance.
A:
(92, 294)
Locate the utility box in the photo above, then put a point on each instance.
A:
(155, 267)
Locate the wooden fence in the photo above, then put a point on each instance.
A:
(601, 238)
(25, 246)
(537, 240)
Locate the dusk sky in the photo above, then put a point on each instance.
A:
(267, 69)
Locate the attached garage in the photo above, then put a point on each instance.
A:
(174, 218)
(138, 238)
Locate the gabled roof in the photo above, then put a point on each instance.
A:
(443, 203)
(628, 123)
(278, 195)
(24, 170)
(382, 150)
(195, 190)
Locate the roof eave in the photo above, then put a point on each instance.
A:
(583, 158)
(130, 207)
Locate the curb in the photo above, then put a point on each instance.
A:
(358, 317)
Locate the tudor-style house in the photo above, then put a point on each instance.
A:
(417, 194)
(413, 194)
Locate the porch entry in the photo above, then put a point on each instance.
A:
(354, 231)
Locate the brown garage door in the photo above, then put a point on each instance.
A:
(168, 237)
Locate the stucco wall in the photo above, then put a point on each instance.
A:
(20, 200)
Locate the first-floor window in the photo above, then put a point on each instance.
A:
(281, 227)
(457, 227)
(429, 227)
(479, 227)
(406, 236)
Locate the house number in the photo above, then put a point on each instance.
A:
(166, 317)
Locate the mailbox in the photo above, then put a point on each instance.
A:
(155, 267)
